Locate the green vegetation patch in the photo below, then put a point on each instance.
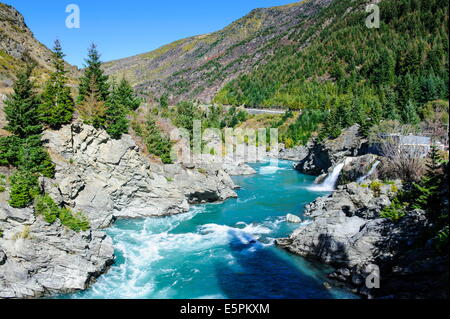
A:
(46, 207)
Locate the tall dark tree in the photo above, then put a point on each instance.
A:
(94, 81)
(123, 94)
(57, 104)
(21, 107)
(156, 142)
(164, 101)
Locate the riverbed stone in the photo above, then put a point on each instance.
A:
(290, 218)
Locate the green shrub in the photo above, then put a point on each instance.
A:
(26, 154)
(34, 158)
(9, 150)
(394, 189)
(375, 186)
(74, 221)
(157, 143)
(394, 212)
(24, 187)
(46, 207)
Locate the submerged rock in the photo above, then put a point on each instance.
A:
(293, 219)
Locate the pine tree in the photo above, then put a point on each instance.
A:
(94, 80)
(123, 94)
(164, 101)
(116, 121)
(93, 110)
(21, 107)
(121, 101)
(409, 113)
(157, 144)
(434, 164)
(57, 104)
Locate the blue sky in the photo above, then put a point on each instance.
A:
(128, 27)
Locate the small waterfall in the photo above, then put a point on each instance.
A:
(330, 182)
(372, 170)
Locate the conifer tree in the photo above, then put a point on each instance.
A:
(94, 80)
(116, 121)
(409, 113)
(157, 143)
(93, 110)
(21, 107)
(57, 104)
(123, 94)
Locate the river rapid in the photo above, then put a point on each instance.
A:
(223, 250)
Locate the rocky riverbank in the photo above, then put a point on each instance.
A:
(347, 232)
(106, 179)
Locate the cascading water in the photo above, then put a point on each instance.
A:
(372, 170)
(330, 182)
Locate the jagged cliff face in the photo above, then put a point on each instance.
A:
(197, 67)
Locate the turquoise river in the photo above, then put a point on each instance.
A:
(223, 250)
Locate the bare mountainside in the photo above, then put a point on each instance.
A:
(18, 46)
(198, 67)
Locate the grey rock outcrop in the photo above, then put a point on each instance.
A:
(347, 233)
(323, 155)
(358, 167)
(355, 200)
(38, 259)
(110, 179)
(297, 154)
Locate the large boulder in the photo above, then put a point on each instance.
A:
(362, 200)
(38, 259)
(323, 155)
(296, 154)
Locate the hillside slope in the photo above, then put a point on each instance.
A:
(306, 54)
(404, 61)
(18, 46)
(197, 67)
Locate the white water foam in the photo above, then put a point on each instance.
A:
(144, 250)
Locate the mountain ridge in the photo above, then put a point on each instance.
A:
(197, 67)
